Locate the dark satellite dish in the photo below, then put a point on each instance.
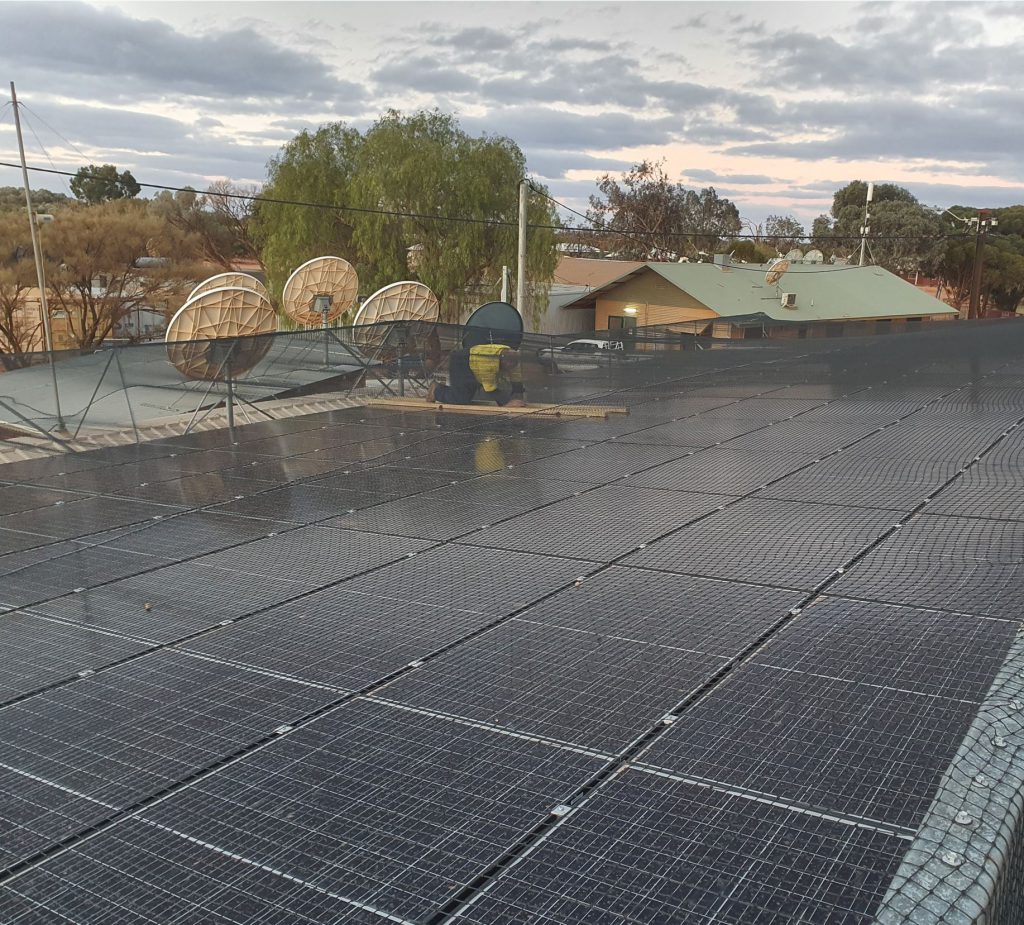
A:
(494, 323)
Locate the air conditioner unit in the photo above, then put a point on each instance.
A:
(788, 300)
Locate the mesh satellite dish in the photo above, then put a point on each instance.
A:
(202, 337)
(794, 254)
(494, 323)
(405, 301)
(814, 256)
(320, 290)
(229, 281)
(776, 270)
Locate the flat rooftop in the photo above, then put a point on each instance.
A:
(715, 660)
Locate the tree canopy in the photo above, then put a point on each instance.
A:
(649, 217)
(94, 184)
(12, 199)
(92, 272)
(409, 174)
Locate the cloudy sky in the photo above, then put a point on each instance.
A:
(774, 104)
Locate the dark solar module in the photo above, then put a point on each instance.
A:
(693, 432)
(494, 581)
(955, 563)
(17, 498)
(490, 453)
(766, 408)
(35, 815)
(78, 518)
(937, 439)
(318, 555)
(282, 470)
(419, 516)
(802, 437)
(720, 469)
(700, 614)
(599, 463)
(194, 490)
(39, 652)
(123, 734)
(861, 749)
(394, 481)
(389, 808)
(897, 484)
(186, 535)
(15, 541)
(298, 503)
(72, 566)
(140, 873)
(573, 686)
(922, 651)
(181, 600)
(783, 543)
(648, 850)
(341, 638)
(602, 524)
(505, 494)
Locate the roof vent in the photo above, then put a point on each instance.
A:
(723, 261)
(788, 300)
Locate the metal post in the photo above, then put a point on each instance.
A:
(524, 189)
(44, 308)
(231, 394)
(127, 397)
(505, 284)
(980, 233)
(866, 228)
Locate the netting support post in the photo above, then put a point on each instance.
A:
(92, 397)
(127, 397)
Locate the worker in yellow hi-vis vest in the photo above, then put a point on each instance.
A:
(493, 368)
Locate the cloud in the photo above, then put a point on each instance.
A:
(742, 179)
(135, 58)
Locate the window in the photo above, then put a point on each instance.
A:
(621, 322)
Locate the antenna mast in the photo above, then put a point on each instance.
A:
(866, 228)
(44, 308)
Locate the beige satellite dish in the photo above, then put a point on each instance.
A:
(776, 271)
(320, 290)
(405, 301)
(229, 281)
(197, 332)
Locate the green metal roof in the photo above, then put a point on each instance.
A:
(823, 292)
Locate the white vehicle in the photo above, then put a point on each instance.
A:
(583, 347)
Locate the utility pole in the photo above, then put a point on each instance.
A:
(524, 190)
(866, 227)
(44, 308)
(984, 221)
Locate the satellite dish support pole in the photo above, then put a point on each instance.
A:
(524, 188)
(44, 308)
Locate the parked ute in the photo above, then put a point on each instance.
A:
(581, 347)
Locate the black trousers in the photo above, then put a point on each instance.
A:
(463, 385)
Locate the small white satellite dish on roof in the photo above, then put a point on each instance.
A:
(814, 256)
(197, 332)
(320, 290)
(776, 270)
(231, 280)
(795, 254)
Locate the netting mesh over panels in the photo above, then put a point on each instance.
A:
(746, 654)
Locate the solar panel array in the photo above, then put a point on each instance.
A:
(703, 663)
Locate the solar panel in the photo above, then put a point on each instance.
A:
(652, 850)
(478, 698)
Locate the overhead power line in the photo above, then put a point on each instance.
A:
(466, 219)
